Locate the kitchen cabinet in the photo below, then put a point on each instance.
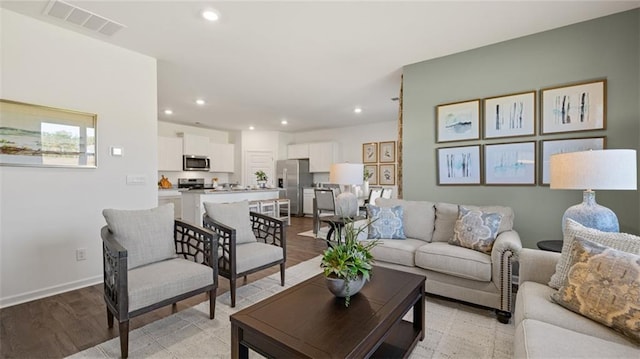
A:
(307, 201)
(322, 155)
(195, 145)
(222, 157)
(298, 151)
(169, 153)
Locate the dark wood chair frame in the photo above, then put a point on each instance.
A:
(267, 229)
(191, 243)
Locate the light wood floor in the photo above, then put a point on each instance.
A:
(67, 323)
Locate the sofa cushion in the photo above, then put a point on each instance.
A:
(418, 217)
(620, 241)
(162, 280)
(533, 301)
(397, 252)
(454, 260)
(446, 215)
(234, 215)
(146, 234)
(603, 284)
(475, 229)
(536, 339)
(385, 222)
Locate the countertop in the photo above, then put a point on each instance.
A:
(221, 191)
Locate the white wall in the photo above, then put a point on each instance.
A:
(47, 213)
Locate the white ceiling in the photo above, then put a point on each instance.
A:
(309, 62)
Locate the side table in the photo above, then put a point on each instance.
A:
(336, 223)
(553, 246)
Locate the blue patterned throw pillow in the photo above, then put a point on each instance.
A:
(476, 230)
(385, 222)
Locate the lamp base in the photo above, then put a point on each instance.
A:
(591, 214)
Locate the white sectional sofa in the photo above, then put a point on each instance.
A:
(452, 271)
(545, 329)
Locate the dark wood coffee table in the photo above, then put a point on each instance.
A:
(307, 321)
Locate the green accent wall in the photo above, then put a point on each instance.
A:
(607, 47)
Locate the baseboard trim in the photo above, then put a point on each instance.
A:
(47, 292)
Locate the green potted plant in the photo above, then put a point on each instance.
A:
(366, 175)
(261, 177)
(347, 263)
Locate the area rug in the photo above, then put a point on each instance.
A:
(322, 233)
(454, 330)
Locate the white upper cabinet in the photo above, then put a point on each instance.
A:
(322, 155)
(298, 151)
(222, 157)
(169, 153)
(195, 145)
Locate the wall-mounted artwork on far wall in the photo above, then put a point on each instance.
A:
(552, 147)
(373, 172)
(580, 107)
(459, 165)
(510, 163)
(387, 152)
(458, 121)
(370, 152)
(387, 175)
(40, 136)
(510, 115)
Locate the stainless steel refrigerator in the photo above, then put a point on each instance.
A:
(293, 176)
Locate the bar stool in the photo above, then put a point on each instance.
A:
(268, 207)
(283, 204)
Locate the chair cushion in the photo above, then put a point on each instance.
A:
(476, 229)
(146, 234)
(256, 254)
(234, 215)
(447, 215)
(603, 284)
(620, 241)
(398, 252)
(162, 280)
(418, 217)
(457, 261)
(385, 222)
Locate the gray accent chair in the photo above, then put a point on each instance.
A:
(154, 271)
(240, 254)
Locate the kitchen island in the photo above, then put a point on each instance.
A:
(192, 200)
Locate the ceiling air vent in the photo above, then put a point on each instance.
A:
(78, 16)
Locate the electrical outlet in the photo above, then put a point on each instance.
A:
(81, 254)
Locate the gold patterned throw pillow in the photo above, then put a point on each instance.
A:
(603, 284)
(475, 229)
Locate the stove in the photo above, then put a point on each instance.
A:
(191, 183)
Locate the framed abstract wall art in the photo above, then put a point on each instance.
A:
(580, 107)
(40, 136)
(552, 147)
(387, 152)
(370, 152)
(459, 165)
(387, 175)
(510, 115)
(458, 121)
(510, 163)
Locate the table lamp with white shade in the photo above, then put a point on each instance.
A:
(347, 175)
(591, 170)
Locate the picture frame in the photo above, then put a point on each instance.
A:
(370, 152)
(572, 108)
(510, 163)
(387, 175)
(552, 147)
(41, 136)
(459, 165)
(387, 152)
(512, 115)
(459, 121)
(374, 178)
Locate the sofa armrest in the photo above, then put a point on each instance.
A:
(505, 250)
(537, 265)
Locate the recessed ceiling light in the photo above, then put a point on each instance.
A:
(200, 102)
(210, 15)
(252, 128)
(168, 112)
(357, 110)
(283, 122)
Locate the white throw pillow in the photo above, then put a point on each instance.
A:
(620, 241)
(234, 215)
(146, 234)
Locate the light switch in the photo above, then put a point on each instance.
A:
(136, 179)
(116, 151)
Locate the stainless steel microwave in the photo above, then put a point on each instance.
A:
(195, 163)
